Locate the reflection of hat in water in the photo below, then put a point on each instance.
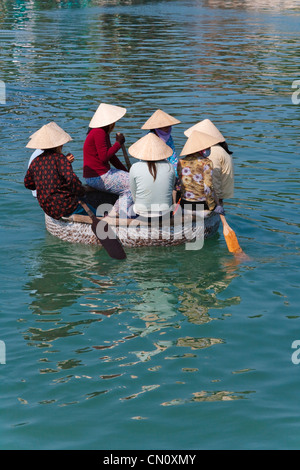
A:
(49, 136)
(150, 148)
(198, 141)
(207, 127)
(160, 119)
(106, 114)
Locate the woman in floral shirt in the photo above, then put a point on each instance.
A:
(195, 172)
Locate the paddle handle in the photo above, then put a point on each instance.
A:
(87, 209)
(126, 158)
(177, 206)
(128, 164)
(226, 227)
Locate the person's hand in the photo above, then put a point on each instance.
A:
(70, 157)
(219, 210)
(120, 138)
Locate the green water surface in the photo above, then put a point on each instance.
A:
(169, 349)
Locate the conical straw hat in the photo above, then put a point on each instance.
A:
(106, 114)
(150, 148)
(207, 127)
(49, 136)
(160, 119)
(198, 141)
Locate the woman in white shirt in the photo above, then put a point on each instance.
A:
(152, 178)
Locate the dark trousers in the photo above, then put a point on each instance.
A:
(194, 205)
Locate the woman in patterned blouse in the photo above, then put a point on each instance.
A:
(51, 174)
(221, 158)
(195, 172)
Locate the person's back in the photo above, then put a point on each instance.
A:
(195, 173)
(57, 186)
(149, 194)
(223, 173)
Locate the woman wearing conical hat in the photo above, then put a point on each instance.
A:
(220, 155)
(99, 154)
(58, 189)
(195, 171)
(161, 124)
(37, 152)
(152, 177)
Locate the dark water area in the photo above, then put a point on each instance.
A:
(171, 349)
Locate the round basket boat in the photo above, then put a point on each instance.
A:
(184, 228)
(136, 233)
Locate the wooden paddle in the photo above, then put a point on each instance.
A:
(230, 237)
(105, 235)
(126, 157)
(177, 206)
(128, 164)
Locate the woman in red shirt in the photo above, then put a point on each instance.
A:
(99, 154)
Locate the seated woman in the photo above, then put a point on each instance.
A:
(195, 172)
(160, 123)
(58, 189)
(99, 153)
(152, 178)
(38, 152)
(220, 156)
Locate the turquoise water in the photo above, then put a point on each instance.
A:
(170, 349)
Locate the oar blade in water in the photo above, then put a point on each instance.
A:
(105, 235)
(108, 239)
(230, 237)
(232, 242)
